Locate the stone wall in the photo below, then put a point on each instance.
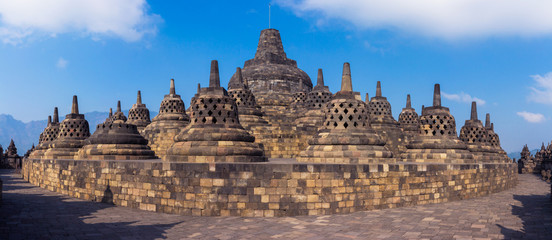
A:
(266, 189)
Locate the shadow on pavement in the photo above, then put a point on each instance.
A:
(29, 215)
(536, 215)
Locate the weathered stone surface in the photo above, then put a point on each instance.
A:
(73, 130)
(315, 102)
(437, 141)
(268, 189)
(172, 118)
(215, 133)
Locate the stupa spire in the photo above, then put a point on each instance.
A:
(367, 98)
(473, 111)
(488, 120)
(437, 95)
(346, 81)
(237, 82)
(408, 103)
(110, 112)
(198, 87)
(75, 106)
(214, 78)
(139, 98)
(378, 89)
(49, 120)
(173, 90)
(320, 79)
(119, 106)
(56, 116)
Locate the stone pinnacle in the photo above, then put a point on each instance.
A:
(367, 98)
(488, 120)
(75, 107)
(346, 82)
(110, 112)
(49, 120)
(408, 103)
(139, 98)
(56, 116)
(214, 79)
(198, 87)
(378, 89)
(473, 111)
(437, 95)
(172, 91)
(237, 82)
(320, 79)
(118, 106)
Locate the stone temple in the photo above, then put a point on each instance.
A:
(272, 145)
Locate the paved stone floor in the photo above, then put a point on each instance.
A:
(525, 212)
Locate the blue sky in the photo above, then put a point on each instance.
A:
(48, 54)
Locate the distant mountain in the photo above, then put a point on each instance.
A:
(25, 134)
(517, 155)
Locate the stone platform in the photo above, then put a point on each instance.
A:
(522, 212)
(275, 188)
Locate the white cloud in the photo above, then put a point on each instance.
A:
(447, 19)
(463, 97)
(531, 117)
(61, 63)
(125, 19)
(542, 91)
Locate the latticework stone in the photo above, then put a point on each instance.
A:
(346, 135)
(49, 134)
(73, 130)
(382, 121)
(494, 140)
(167, 124)
(215, 133)
(437, 141)
(476, 137)
(316, 101)
(139, 114)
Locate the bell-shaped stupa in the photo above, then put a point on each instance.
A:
(409, 121)
(494, 140)
(215, 133)
(381, 120)
(476, 137)
(167, 124)
(315, 103)
(117, 140)
(346, 135)
(73, 130)
(250, 113)
(49, 134)
(437, 141)
(139, 114)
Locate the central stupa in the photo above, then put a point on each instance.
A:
(271, 76)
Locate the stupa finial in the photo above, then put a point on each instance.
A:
(488, 120)
(367, 97)
(437, 95)
(473, 111)
(346, 82)
(173, 90)
(214, 79)
(139, 98)
(49, 120)
(110, 112)
(75, 106)
(320, 79)
(378, 89)
(118, 106)
(408, 103)
(56, 116)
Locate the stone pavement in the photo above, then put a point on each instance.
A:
(525, 212)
